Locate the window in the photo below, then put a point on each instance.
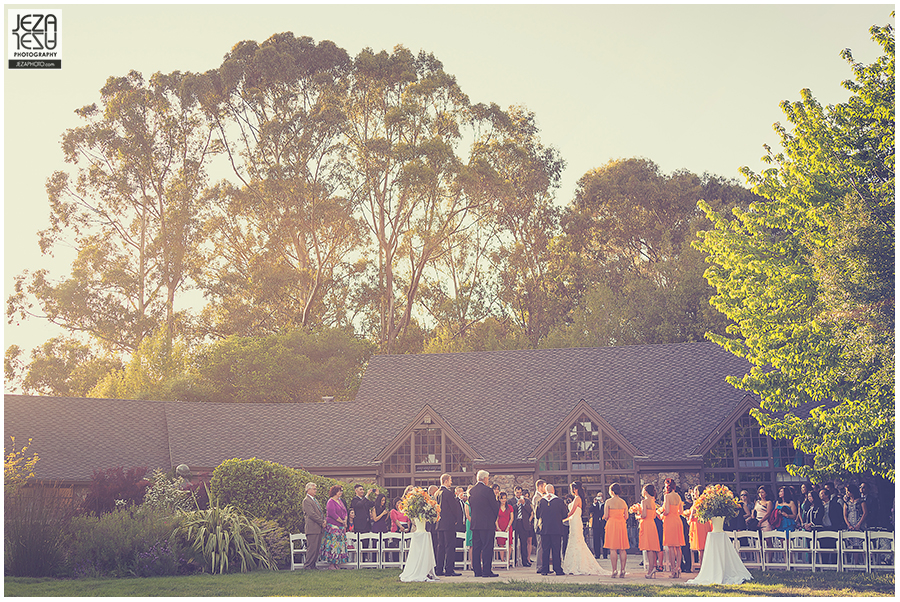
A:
(422, 458)
(749, 462)
(586, 453)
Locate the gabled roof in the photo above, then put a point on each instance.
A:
(663, 399)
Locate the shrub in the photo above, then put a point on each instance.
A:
(36, 521)
(224, 538)
(115, 484)
(17, 468)
(199, 492)
(261, 489)
(278, 542)
(127, 541)
(167, 493)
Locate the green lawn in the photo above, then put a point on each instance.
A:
(386, 583)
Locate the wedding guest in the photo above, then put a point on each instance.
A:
(539, 492)
(504, 521)
(496, 489)
(379, 514)
(739, 521)
(461, 526)
(855, 510)
(468, 514)
(616, 536)
(764, 508)
(598, 526)
(531, 544)
(673, 531)
(803, 500)
(334, 547)
(314, 524)
(649, 539)
(522, 526)
(868, 495)
(787, 507)
(815, 513)
(698, 530)
(360, 505)
(483, 509)
(687, 557)
(399, 521)
(445, 561)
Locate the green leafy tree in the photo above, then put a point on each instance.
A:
(131, 213)
(293, 366)
(807, 276)
(154, 368)
(61, 366)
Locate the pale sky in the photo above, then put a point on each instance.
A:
(687, 86)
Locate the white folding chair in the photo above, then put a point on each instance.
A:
(352, 549)
(800, 544)
(391, 550)
(462, 552)
(298, 548)
(369, 550)
(775, 550)
(854, 551)
(501, 549)
(749, 548)
(881, 550)
(826, 551)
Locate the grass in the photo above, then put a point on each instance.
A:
(385, 583)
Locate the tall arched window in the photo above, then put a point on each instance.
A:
(422, 458)
(588, 454)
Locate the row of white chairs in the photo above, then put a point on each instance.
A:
(816, 550)
(390, 550)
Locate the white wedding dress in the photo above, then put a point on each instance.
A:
(579, 559)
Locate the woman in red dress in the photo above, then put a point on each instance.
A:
(504, 520)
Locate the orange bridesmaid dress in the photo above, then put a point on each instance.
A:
(616, 535)
(673, 530)
(649, 538)
(698, 532)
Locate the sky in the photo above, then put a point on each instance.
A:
(687, 86)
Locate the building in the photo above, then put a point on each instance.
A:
(631, 415)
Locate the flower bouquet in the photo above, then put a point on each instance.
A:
(717, 500)
(635, 509)
(417, 504)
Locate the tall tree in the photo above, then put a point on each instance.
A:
(132, 212)
(406, 119)
(807, 276)
(283, 236)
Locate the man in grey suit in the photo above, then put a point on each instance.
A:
(313, 526)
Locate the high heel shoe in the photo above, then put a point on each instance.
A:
(651, 574)
(622, 574)
(614, 574)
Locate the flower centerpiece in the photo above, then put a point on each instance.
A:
(717, 502)
(635, 509)
(420, 507)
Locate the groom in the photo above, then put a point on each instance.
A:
(550, 514)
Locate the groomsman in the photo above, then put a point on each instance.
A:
(550, 514)
(539, 492)
(522, 517)
(446, 528)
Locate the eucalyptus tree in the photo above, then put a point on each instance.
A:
(131, 212)
(406, 119)
(283, 235)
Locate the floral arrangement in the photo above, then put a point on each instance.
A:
(717, 500)
(635, 509)
(418, 504)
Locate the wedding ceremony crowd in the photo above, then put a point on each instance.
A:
(551, 534)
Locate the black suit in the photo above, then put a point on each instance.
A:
(550, 515)
(361, 521)
(522, 514)
(446, 530)
(598, 527)
(483, 509)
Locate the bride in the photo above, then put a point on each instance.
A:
(578, 560)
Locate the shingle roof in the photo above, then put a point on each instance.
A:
(662, 398)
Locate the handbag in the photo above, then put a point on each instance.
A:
(776, 522)
(752, 524)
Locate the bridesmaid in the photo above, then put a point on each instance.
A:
(673, 533)
(698, 530)
(616, 536)
(649, 538)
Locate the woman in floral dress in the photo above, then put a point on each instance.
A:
(334, 544)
